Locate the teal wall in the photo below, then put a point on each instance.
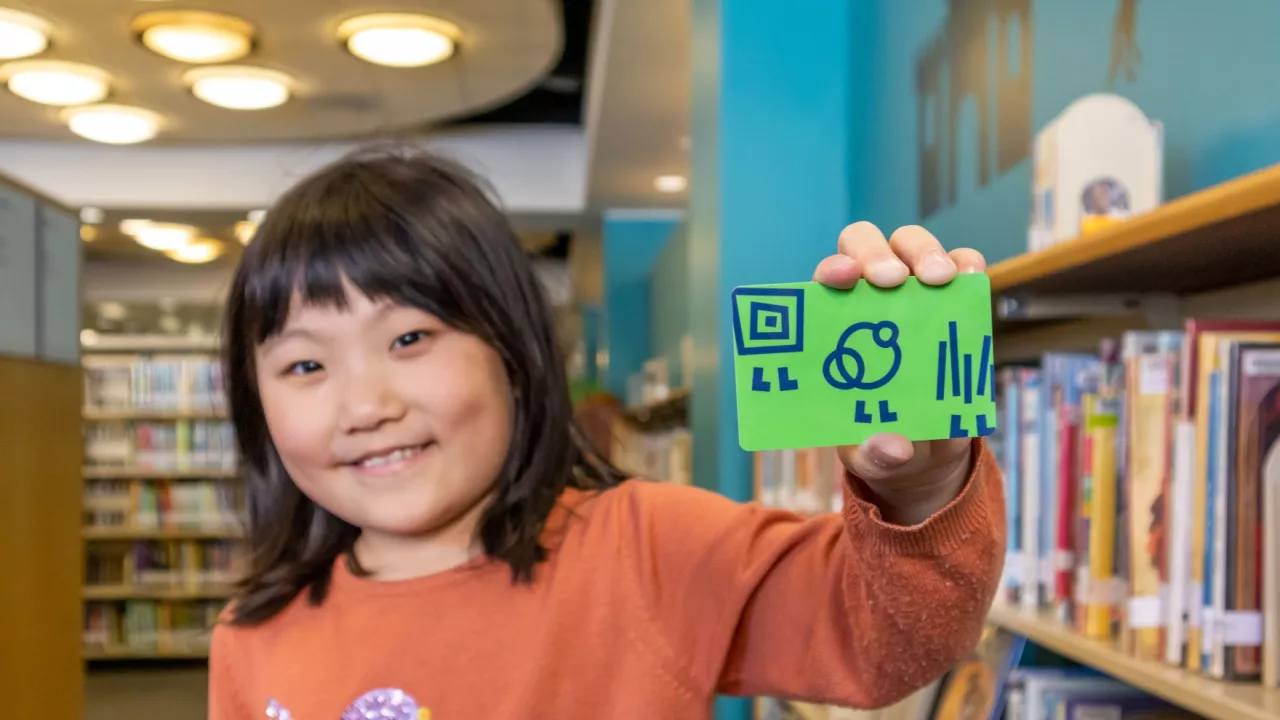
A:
(777, 112)
(1204, 72)
(669, 293)
(633, 240)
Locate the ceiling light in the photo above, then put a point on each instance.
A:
(112, 310)
(257, 216)
(201, 251)
(194, 36)
(22, 34)
(113, 124)
(239, 87)
(399, 39)
(245, 230)
(671, 183)
(56, 82)
(92, 215)
(164, 237)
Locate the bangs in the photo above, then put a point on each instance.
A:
(327, 238)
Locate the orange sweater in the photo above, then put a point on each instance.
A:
(654, 599)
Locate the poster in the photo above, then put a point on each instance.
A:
(59, 263)
(18, 295)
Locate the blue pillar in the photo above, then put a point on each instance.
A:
(776, 120)
(633, 239)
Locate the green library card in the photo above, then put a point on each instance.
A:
(817, 367)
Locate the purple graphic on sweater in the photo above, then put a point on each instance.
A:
(383, 704)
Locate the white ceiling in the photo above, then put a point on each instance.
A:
(506, 46)
(639, 100)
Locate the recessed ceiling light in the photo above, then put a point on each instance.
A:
(671, 183)
(56, 82)
(399, 39)
(195, 36)
(245, 230)
(201, 251)
(161, 236)
(22, 34)
(112, 310)
(91, 215)
(239, 87)
(112, 124)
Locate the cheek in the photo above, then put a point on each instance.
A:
(475, 411)
(298, 423)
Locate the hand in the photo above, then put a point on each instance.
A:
(908, 481)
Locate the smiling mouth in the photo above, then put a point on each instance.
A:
(390, 458)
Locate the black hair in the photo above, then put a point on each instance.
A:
(419, 230)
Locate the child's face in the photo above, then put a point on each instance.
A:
(385, 416)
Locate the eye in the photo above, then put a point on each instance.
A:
(410, 338)
(303, 367)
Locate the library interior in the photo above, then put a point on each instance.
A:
(1109, 159)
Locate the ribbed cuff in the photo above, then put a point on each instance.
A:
(969, 514)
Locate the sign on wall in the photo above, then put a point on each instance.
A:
(979, 62)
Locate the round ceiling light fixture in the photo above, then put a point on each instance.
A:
(56, 82)
(670, 183)
(239, 87)
(112, 124)
(22, 34)
(400, 40)
(160, 236)
(195, 36)
(195, 253)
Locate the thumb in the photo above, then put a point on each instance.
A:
(879, 458)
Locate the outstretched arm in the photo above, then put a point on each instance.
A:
(842, 608)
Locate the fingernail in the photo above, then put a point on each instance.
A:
(885, 457)
(887, 272)
(937, 266)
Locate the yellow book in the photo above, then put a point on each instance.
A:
(1102, 423)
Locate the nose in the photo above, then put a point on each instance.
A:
(369, 401)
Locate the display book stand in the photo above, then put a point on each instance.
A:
(162, 502)
(1213, 253)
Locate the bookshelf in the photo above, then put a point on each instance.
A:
(1210, 698)
(1215, 254)
(39, 515)
(162, 503)
(1214, 238)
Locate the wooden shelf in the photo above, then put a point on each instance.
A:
(130, 592)
(664, 413)
(126, 473)
(97, 415)
(1221, 236)
(93, 654)
(1213, 699)
(132, 533)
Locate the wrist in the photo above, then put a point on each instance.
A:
(911, 501)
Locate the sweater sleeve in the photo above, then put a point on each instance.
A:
(842, 608)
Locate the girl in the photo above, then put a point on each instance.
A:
(431, 536)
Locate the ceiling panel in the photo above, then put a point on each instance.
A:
(507, 50)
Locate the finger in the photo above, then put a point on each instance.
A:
(866, 244)
(837, 271)
(880, 457)
(922, 252)
(968, 260)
